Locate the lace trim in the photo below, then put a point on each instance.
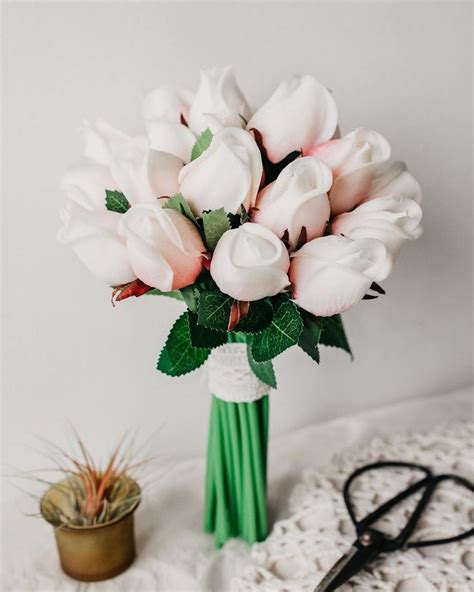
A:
(230, 377)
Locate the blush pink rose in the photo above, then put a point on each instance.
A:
(87, 183)
(330, 274)
(89, 228)
(297, 200)
(218, 102)
(100, 140)
(394, 180)
(93, 235)
(301, 113)
(164, 247)
(392, 220)
(164, 111)
(226, 175)
(250, 262)
(143, 174)
(355, 160)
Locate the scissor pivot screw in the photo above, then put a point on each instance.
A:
(366, 540)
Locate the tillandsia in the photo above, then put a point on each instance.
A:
(264, 223)
(88, 493)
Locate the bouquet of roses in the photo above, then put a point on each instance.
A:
(267, 225)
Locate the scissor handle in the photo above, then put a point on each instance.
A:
(434, 483)
(429, 483)
(384, 508)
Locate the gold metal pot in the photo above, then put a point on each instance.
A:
(92, 553)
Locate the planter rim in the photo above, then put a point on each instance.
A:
(91, 527)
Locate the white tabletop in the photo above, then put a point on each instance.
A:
(174, 555)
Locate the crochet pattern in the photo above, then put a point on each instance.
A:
(301, 549)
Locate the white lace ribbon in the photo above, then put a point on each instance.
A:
(230, 377)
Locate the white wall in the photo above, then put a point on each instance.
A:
(401, 68)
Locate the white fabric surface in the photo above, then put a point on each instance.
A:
(301, 549)
(173, 553)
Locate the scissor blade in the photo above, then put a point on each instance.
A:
(332, 579)
(351, 563)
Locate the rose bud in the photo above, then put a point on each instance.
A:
(394, 180)
(100, 140)
(165, 110)
(86, 185)
(167, 102)
(143, 174)
(94, 237)
(226, 175)
(392, 220)
(250, 262)
(297, 200)
(220, 97)
(174, 138)
(355, 160)
(164, 247)
(300, 114)
(330, 274)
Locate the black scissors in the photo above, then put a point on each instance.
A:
(370, 542)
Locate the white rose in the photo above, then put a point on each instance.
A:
(300, 114)
(392, 219)
(250, 262)
(219, 97)
(165, 110)
(100, 140)
(296, 200)
(86, 185)
(330, 274)
(355, 160)
(395, 180)
(227, 175)
(167, 102)
(94, 237)
(143, 174)
(164, 247)
(175, 138)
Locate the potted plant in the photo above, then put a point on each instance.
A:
(92, 511)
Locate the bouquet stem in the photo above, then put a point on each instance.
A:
(235, 496)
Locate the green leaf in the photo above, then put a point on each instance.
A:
(258, 318)
(214, 310)
(333, 333)
(173, 294)
(309, 347)
(179, 356)
(283, 332)
(178, 203)
(202, 144)
(240, 218)
(310, 335)
(190, 295)
(115, 201)
(202, 336)
(215, 224)
(262, 370)
(244, 215)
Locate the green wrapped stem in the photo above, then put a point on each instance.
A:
(235, 496)
(235, 500)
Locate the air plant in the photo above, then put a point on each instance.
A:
(91, 493)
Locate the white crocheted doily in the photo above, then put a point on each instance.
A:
(301, 549)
